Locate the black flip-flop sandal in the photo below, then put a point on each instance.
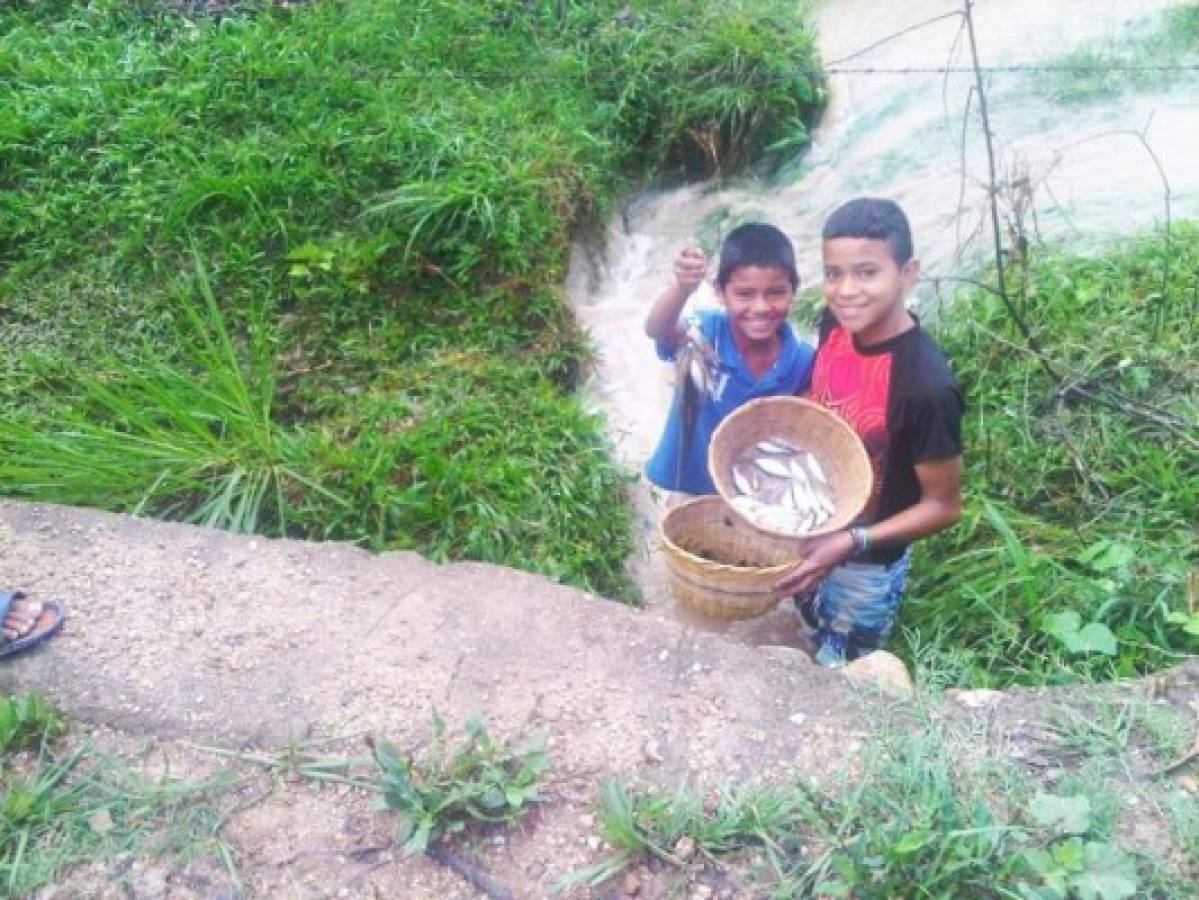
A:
(48, 622)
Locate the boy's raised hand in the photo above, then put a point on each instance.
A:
(662, 323)
(690, 267)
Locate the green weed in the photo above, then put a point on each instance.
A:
(907, 826)
(445, 789)
(26, 720)
(1080, 526)
(1116, 728)
(65, 815)
(57, 812)
(298, 760)
(685, 826)
(1145, 53)
(1184, 821)
(1069, 865)
(911, 825)
(922, 814)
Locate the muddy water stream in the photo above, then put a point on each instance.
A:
(1069, 169)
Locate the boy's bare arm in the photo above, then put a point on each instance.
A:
(940, 505)
(662, 324)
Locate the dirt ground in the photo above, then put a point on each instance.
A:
(181, 637)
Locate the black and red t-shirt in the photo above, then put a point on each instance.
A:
(902, 400)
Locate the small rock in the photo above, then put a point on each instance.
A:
(882, 670)
(100, 821)
(651, 752)
(631, 886)
(979, 699)
(701, 892)
(684, 848)
(150, 884)
(593, 842)
(798, 719)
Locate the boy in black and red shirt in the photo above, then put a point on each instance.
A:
(884, 374)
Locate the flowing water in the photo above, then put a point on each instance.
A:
(1072, 164)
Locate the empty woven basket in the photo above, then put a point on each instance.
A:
(718, 565)
(806, 425)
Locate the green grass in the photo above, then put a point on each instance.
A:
(63, 809)
(928, 811)
(1172, 38)
(689, 826)
(908, 825)
(366, 207)
(1081, 522)
(26, 720)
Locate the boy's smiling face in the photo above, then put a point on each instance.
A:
(758, 299)
(864, 288)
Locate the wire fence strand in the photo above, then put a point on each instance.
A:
(15, 81)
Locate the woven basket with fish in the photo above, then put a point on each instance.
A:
(790, 468)
(718, 565)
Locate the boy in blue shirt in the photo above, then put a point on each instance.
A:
(743, 351)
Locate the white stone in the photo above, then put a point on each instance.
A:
(881, 670)
(979, 699)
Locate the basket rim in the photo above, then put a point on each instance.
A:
(711, 565)
(794, 400)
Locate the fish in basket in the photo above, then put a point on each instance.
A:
(790, 467)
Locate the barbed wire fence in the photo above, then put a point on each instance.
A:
(1020, 189)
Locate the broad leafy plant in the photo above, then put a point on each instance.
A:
(447, 788)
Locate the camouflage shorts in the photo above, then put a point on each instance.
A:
(855, 609)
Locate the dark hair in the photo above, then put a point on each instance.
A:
(876, 219)
(756, 244)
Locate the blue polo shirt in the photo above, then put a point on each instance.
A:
(735, 385)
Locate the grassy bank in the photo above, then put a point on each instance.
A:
(1078, 553)
(1139, 60)
(927, 811)
(309, 260)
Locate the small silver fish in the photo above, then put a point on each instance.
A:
(746, 504)
(776, 447)
(778, 519)
(772, 467)
(826, 504)
(815, 469)
(798, 500)
(789, 499)
(742, 481)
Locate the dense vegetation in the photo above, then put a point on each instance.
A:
(1137, 60)
(1079, 553)
(298, 270)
